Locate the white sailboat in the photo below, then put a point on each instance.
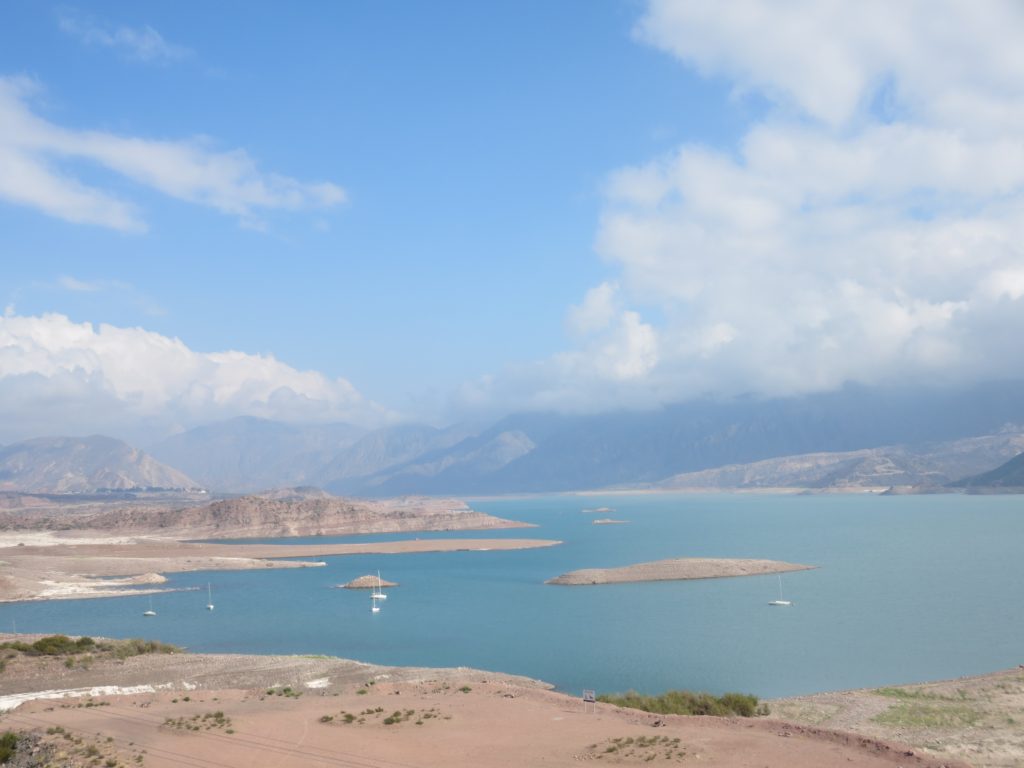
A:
(780, 601)
(378, 593)
(209, 597)
(150, 612)
(374, 608)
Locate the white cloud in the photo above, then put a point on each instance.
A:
(868, 228)
(142, 43)
(32, 150)
(69, 283)
(949, 61)
(61, 377)
(598, 310)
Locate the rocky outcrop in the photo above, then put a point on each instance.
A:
(368, 582)
(317, 514)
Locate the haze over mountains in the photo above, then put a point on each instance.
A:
(854, 437)
(1006, 477)
(83, 465)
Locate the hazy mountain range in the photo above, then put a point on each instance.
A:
(855, 436)
(1008, 477)
(83, 465)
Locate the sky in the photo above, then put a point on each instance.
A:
(391, 211)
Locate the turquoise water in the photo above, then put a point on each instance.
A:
(909, 589)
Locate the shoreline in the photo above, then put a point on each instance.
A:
(71, 571)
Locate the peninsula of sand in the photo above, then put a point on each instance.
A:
(677, 569)
(65, 550)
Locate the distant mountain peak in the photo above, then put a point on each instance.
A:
(90, 464)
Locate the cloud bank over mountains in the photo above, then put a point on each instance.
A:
(868, 228)
(62, 377)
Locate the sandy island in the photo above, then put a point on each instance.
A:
(52, 568)
(286, 711)
(677, 569)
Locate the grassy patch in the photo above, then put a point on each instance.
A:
(689, 703)
(918, 714)
(906, 694)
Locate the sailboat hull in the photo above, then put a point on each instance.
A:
(780, 602)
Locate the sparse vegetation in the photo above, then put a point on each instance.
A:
(689, 703)
(286, 691)
(377, 713)
(206, 722)
(8, 746)
(61, 645)
(642, 748)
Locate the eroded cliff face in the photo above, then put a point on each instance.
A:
(319, 516)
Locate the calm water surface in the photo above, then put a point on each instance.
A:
(908, 589)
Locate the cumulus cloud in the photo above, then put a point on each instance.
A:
(141, 43)
(869, 227)
(33, 150)
(62, 377)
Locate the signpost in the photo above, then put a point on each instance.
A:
(589, 697)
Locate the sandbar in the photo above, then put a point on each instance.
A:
(677, 569)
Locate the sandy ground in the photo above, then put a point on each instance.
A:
(679, 568)
(227, 711)
(977, 719)
(38, 569)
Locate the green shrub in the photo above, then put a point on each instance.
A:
(687, 703)
(54, 645)
(8, 746)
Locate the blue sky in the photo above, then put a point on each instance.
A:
(463, 208)
(472, 140)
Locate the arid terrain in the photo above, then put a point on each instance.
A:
(675, 569)
(976, 719)
(281, 512)
(226, 711)
(55, 568)
(53, 547)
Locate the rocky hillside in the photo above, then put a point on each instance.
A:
(930, 465)
(298, 513)
(247, 453)
(1006, 478)
(83, 465)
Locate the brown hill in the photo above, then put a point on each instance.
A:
(297, 514)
